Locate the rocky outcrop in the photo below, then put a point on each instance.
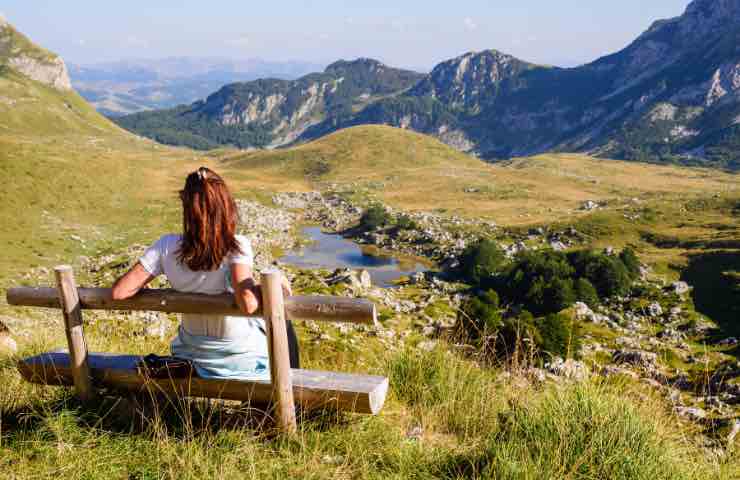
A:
(19, 53)
(52, 73)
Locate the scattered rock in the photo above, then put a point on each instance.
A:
(7, 344)
(655, 310)
(680, 288)
(570, 369)
(638, 358)
(692, 413)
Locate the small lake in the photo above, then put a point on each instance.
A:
(331, 251)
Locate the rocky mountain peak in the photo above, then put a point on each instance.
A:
(27, 58)
(358, 64)
(467, 81)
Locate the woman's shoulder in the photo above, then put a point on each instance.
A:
(168, 241)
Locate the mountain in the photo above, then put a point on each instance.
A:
(36, 95)
(119, 88)
(273, 112)
(671, 96)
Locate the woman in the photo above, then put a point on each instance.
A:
(209, 257)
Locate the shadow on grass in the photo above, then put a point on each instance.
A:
(173, 417)
(716, 291)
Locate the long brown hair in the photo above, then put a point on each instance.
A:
(209, 216)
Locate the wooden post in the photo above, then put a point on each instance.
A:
(71, 310)
(273, 310)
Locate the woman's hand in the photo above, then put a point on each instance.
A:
(285, 283)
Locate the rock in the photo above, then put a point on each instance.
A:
(727, 342)
(692, 413)
(612, 370)
(365, 280)
(582, 311)
(558, 246)
(415, 432)
(655, 310)
(639, 358)
(734, 430)
(680, 287)
(7, 344)
(570, 369)
(589, 205)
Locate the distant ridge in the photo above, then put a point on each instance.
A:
(671, 96)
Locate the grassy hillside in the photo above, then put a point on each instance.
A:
(74, 181)
(414, 171)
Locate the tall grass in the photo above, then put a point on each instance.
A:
(446, 418)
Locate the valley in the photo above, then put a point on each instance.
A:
(652, 392)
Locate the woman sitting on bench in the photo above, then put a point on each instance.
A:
(209, 257)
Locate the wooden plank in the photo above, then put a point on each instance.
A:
(311, 388)
(70, 304)
(319, 308)
(277, 341)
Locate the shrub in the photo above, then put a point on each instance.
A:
(631, 262)
(586, 292)
(405, 222)
(374, 217)
(558, 335)
(541, 281)
(481, 261)
(480, 316)
(608, 274)
(517, 334)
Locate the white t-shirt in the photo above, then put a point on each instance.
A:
(162, 258)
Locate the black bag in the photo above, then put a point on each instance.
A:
(155, 366)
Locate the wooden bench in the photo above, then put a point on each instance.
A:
(91, 371)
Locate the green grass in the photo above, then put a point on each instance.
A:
(446, 418)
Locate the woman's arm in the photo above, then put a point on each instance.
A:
(246, 291)
(131, 282)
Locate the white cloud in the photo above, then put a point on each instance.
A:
(136, 42)
(470, 24)
(532, 39)
(81, 42)
(241, 42)
(324, 36)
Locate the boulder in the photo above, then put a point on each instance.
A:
(570, 369)
(638, 358)
(680, 288)
(655, 310)
(7, 344)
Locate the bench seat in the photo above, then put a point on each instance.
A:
(311, 388)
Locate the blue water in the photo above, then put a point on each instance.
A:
(331, 251)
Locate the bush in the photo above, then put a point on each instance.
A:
(374, 217)
(631, 262)
(541, 281)
(608, 274)
(481, 261)
(586, 292)
(517, 334)
(558, 335)
(480, 316)
(405, 222)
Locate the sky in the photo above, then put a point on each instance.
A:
(402, 33)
